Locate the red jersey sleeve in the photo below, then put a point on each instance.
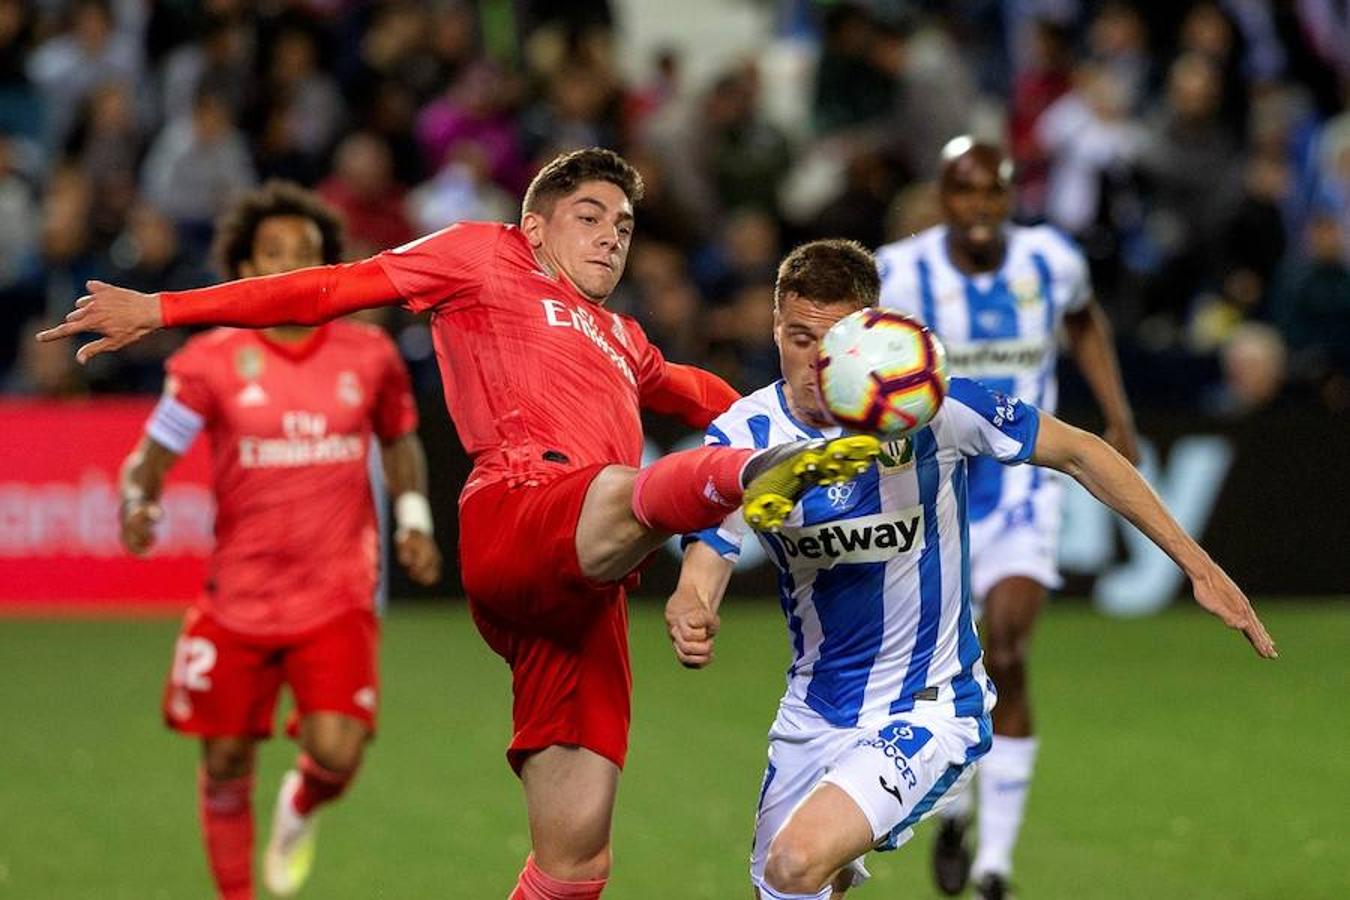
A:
(395, 411)
(443, 265)
(688, 393)
(302, 297)
(187, 380)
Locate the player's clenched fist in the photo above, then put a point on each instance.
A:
(419, 556)
(139, 519)
(692, 627)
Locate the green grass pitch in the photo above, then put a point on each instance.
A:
(1173, 764)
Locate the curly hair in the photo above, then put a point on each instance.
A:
(830, 271)
(565, 173)
(237, 228)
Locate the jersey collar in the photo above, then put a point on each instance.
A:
(296, 350)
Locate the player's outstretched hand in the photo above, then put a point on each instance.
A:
(120, 315)
(1216, 592)
(139, 519)
(419, 556)
(692, 627)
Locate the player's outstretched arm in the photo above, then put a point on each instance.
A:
(1089, 333)
(1112, 480)
(302, 297)
(691, 612)
(405, 471)
(141, 484)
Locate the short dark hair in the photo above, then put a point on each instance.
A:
(829, 271)
(568, 171)
(238, 227)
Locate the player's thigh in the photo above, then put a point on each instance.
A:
(903, 770)
(334, 672)
(220, 684)
(569, 796)
(518, 556)
(799, 755)
(610, 541)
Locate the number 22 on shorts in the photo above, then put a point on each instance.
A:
(193, 659)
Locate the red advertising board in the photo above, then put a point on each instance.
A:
(58, 510)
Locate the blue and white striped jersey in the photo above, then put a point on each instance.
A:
(998, 327)
(874, 574)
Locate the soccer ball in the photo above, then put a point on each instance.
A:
(881, 372)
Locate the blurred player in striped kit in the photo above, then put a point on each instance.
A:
(997, 295)
(290, 598)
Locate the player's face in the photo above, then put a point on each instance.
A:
(976, 200)
(585, 237)
(283, 244)
(799, 325)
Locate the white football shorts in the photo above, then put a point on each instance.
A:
(1020, 538)
(898, 770)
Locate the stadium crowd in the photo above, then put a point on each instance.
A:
(1199, 152)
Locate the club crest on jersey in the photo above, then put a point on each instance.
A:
(349, 388)
(896, 455)
(248, 363)
(1026, 291)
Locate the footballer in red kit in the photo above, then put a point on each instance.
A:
(290, 415)
(544, 386)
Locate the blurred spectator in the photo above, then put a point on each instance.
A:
(581, 108)
(1332, 175)
(222, 61)
(667, 303)
(148, 256)
(744, 156)
(742, 333)
(1046, 78)
(1118, 46)
(18, 221)
(1093, 144)
(915, 208)
(935, 96)
(853, 85)
(1254, 371)
(106, 143)
(462, 191)
(44, 370)
(196, 164)
(1192, 170)
(90, 52)
(859, 213)
(67, 248)
(20, 111)
(302, 101)
(747, 253)
(1310, 303)
(475, 109)
(363, 189)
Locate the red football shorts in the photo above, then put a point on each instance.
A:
(225, 684)
(564, 636)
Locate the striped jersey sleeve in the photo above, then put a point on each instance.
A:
(978, 421)
(746, 424)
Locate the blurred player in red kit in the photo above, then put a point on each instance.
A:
(545, 387)
(290, 413)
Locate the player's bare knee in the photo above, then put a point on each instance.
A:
(225, 759)
(574, 863)
(792, 866)
(338, 751)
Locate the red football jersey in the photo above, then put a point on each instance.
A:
(538, 379)
(290, 427)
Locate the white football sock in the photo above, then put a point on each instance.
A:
(960, 803)
(1005, 777)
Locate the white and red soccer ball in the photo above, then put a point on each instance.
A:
(881, 372)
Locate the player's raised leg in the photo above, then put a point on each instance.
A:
(629, 513)
(225, 804)
(1010, 610)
